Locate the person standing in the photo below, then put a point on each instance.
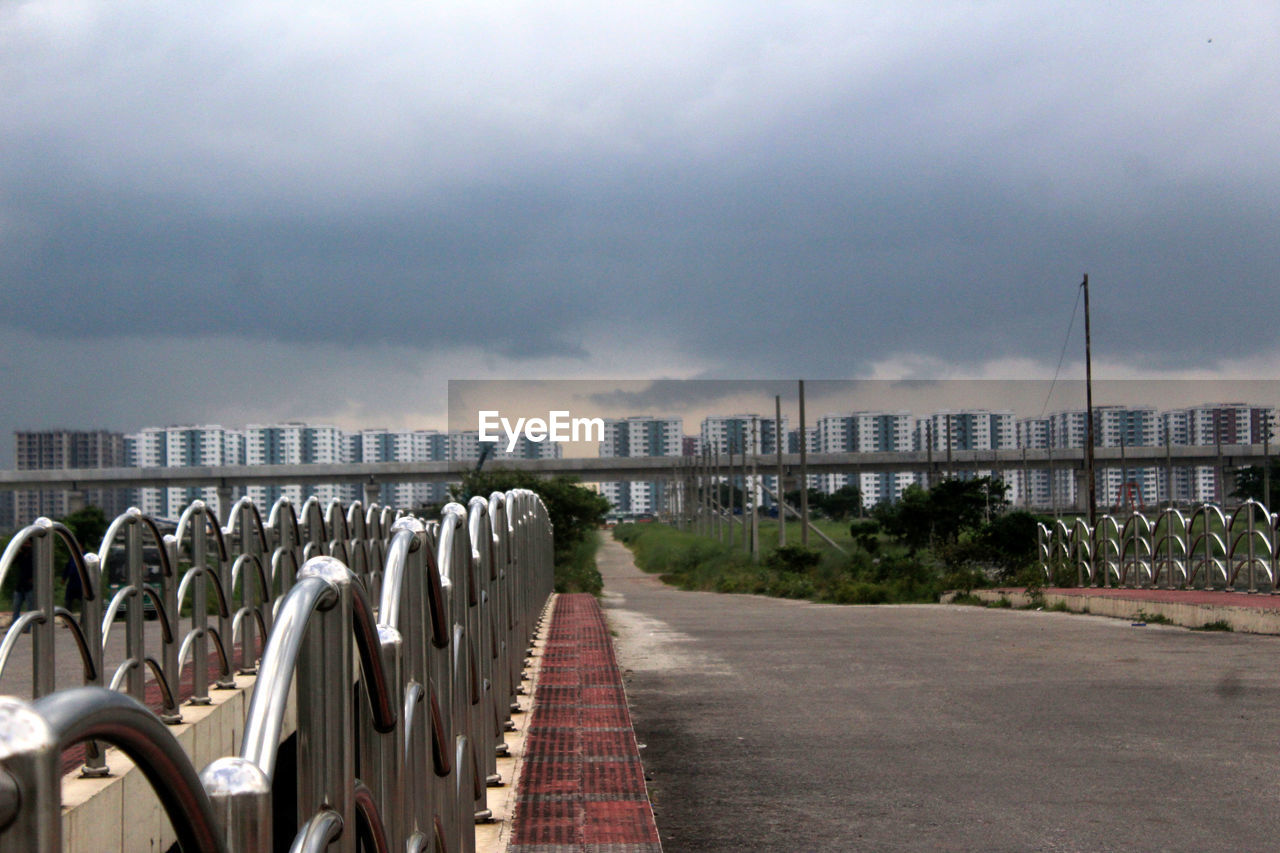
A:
(74, 590)
(24, 580)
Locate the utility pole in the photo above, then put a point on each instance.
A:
(715, 501)
(731, 522)
(1266, 459)
(804, 476)
(777, 441)
(755, 494)
(1088, 394)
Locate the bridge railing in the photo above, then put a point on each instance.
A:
(439, 613)
(1206, 548)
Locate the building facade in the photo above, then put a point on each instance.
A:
(45, 450)
(640, 436)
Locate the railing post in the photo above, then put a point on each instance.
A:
(326, 751)
(29, 780)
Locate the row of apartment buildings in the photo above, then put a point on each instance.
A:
(979, 429)
(656, 436)
(255, 444)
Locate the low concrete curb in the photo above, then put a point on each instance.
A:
(1252, 614)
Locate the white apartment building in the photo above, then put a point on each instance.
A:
(969, 429)
(640, 436)
(296, 444)
(179, 447)
(419, 445)
(757, 434)
(865, 432)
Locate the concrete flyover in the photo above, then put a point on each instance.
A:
(775, 725)
(618, 468)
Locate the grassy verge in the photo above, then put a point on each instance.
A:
(690, 561)
(576, 570)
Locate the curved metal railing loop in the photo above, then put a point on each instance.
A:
(487, 721)
(198, 525)
(64, 719)
(287, 557)
(245, 527)
(1208, 548)
(1251, 540)
(320, 620)
(398, 772)
(339, 534)
(357, 536)
(133, 523)
(1135, 550)
(1169, 547)
(500, 572)
(453, 556)
(315, 534)
(1079, 544)
(369, 826)
(323, 829)
(40, 534)
(249, 576)
(1107, 549)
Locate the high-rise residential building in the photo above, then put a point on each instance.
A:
(296, 444)
(1211, 425)
(421, 445)
(640, 436)
(1117, 486)
(45, 450)
(756, 434)
(180, 447)
(865, 432)
(969, 429)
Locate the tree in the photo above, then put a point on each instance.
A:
(1010, 540)
(1249, 484)
(943, 512)
(89, 524)
(842, 503)
(574, 509)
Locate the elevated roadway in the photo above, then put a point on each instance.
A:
(592, 469)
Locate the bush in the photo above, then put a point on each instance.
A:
(690, 561)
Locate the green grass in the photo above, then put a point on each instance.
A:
(690, 561)
(576, 571)
(1220, 625)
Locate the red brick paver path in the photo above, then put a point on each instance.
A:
(582, 785)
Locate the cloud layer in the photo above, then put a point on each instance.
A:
(717, 189)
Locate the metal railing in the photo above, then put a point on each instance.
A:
(395, 756)
(1206, 548)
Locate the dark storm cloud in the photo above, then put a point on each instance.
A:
(748, 190)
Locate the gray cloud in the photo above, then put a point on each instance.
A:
(742, 189)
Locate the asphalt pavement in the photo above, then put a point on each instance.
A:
(775, 725)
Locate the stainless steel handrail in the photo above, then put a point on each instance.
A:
(440, 658)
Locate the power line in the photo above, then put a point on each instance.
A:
(1063, 355)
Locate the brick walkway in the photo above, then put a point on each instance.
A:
(582, 786)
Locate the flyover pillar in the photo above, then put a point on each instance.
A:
(372, 492)
(224, 503)
(75, 500)
(1082, 491)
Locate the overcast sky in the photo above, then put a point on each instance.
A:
(237, 212)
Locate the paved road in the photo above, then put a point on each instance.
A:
(788, 726)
